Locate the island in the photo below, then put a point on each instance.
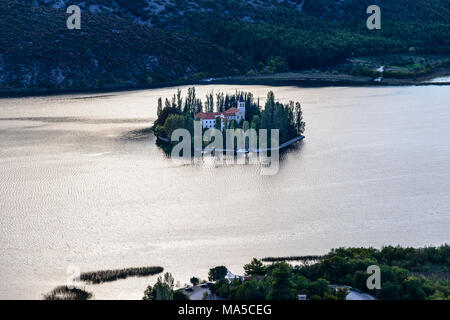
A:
(229, 123)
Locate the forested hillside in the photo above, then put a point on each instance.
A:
(236, 36)
(37, 51)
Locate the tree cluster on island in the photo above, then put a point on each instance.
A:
(179, 112)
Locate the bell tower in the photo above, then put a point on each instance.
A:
(241, 107)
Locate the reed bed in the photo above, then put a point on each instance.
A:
(96, 277)
(292, 258)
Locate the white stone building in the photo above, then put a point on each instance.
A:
(236, 113)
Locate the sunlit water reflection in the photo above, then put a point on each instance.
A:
(80, 186)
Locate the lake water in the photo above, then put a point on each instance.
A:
(80, 187)
(440, 80)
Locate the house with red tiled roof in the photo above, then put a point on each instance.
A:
(235, 113)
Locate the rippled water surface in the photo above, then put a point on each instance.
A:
(81, 185)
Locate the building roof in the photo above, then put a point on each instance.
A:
(208, 115)
(231, 111)
(214, 115)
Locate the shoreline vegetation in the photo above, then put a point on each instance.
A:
(335, 76)
(406, 273)
(392, 70)
(98, 277)
(224, 127)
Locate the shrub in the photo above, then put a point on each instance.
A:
(64, 293)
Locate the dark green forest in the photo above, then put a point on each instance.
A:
(38, 51)
(406, 274)
(154, 42)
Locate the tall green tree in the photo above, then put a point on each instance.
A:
(269, 110)
(160, 107)
(209, 102)
(167, 104)
(282, 286)
(299, 123)
(164, 114)
(164, 287)
(197, 106)
(189, 103)
(173, 122)
(320, 287)
(179, 100)
(233, 124)
(174, 101)
(217, 273)
(195, 281)
(256, 122)
(220, 102)
(255, 268)
(245, 126)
